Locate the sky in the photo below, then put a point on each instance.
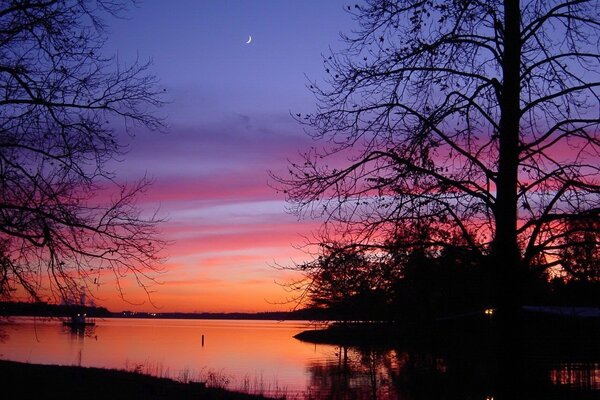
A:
(229, 122)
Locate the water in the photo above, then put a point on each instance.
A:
(263, 357)
(235, 352)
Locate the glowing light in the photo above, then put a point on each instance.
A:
(489, 312)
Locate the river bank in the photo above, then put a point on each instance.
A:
(34, 381)
(570, 331)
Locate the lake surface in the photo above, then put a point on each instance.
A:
(263, 357)
(256, 354)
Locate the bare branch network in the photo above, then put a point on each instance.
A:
(65, 222)
(471, 123)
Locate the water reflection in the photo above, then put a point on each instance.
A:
(4, 323)
(263, 357)
(585, 376)
(356, 374)
(375, 373)
(80, 332)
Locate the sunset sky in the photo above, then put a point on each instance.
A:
(228, 123)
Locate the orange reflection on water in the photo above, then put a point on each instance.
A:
(577, 375)
(240, 351)
(263, 356)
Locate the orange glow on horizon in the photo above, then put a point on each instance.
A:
(202, 295)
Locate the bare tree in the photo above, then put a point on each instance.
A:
(65, 221)
(476, 119)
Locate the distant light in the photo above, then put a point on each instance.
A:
(490, 312)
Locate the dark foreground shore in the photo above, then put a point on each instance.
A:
(32, 381)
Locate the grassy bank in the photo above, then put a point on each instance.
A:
(32, 381)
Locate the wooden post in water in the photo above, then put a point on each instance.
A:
(202, 340)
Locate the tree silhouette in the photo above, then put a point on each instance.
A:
(580, 253)
(477, 120)
(65, 221)
(351, 283)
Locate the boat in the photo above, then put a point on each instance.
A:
(79, 320)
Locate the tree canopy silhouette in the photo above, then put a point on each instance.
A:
(474, 121)
(65, 221)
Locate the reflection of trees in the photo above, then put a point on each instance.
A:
(355, 374)
(371, 373)
(79, 335)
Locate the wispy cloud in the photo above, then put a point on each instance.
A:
(226, 225)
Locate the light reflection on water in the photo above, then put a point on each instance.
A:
(577, 375)
(263, 357)
(256, 355)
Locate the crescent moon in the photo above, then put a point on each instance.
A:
(249, 39)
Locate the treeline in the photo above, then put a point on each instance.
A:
(310, 314)
(354, 284)
(42, 309)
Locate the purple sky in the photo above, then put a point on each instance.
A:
(228, 123)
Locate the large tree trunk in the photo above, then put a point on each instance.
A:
(505, 250)
(506, 258)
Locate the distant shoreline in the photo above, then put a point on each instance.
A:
(22, 309)
(37, 381)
